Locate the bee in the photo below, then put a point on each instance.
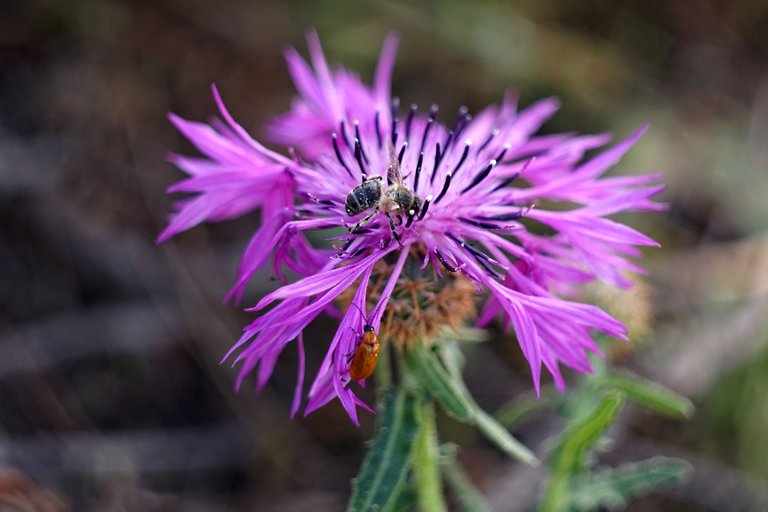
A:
(366, 354)
(395, 198)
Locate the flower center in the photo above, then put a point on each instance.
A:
(423, 306)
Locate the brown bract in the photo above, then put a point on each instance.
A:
(423, 306)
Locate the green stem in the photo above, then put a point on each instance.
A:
(383, 375)
(426, 461)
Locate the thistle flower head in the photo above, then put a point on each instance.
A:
(476, 203)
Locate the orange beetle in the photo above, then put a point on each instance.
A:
(366, 355)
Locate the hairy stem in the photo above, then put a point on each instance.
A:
(426, 461)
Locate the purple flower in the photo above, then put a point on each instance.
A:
(471, 199)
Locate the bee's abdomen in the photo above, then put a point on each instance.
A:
(363, 197)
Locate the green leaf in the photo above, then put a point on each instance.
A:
(404, 502)
(453, 396)
(389, 460)
(452, 357)
(571, 450)
(467, 495)
(584, 432)
(650, 394)
(524, 406)
(500, 436)
(611, 488)
(454, 399)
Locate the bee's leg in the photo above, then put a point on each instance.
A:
(362, 222)
(394, 231)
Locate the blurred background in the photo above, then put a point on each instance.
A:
(111, 397)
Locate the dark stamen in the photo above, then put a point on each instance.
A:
(480, 177)
(402, 152)
(365, 229)
(315, 199)
(409, 120)
(463, 157)
(448, 267)
(484, 225)
(428, 127)
(506, 182)
(418, 171)
(503, 152)
(411, 216)
(479, 255)
(503, 216)
(395, 120)
(425, 207)
(438, 160)
(430, 122)
(378, 130)
(343, 131)
(464, 124)
(487, 268)
(472, 249)
(445, 187)
(359, 140)
(359, 158)
(491, 136)
(338, 153)
(463, 111)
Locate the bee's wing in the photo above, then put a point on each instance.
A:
(393, 169)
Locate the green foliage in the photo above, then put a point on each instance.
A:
(388, 462)
(579, 437)
(405, 469)
(443, 387)
(500, 436)
(449, 390)
(649, 394)
(524, 406)
(569, 457)
(610, 488)
(589, 410)
(736, 415)
(405, 501)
